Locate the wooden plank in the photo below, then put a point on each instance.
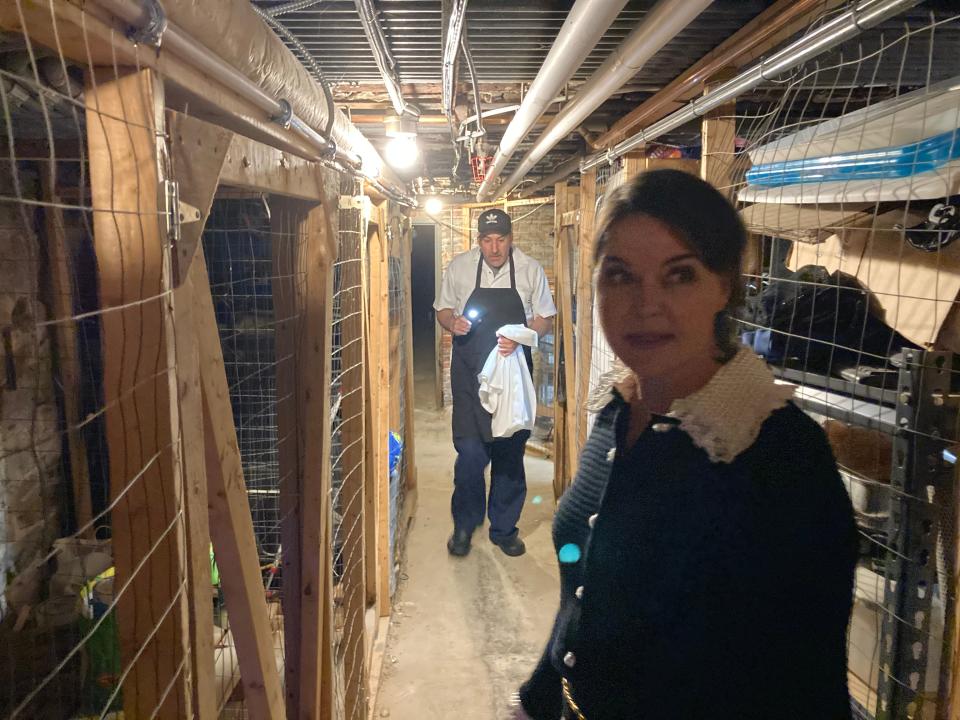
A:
(65, 343)
(197, 151)
(633, 164)
(286, 217)
(565, 332)
(719, 133)
(409, 440)
(251, 165)
(316, 256)
(560, 366)
(380, 363)
(507, 204)
(584, 320)
(231, 525)
(353, 506)
(467, 232)
(124, 119)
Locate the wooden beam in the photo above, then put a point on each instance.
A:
(231, 524)
(584, 320)
(124, 119)
(409, 440)
(197, 152)
(560, 366)
(564, 331)
(254, 166)
(286, 216)
(61, 297)
(510, 203)
(353, 506)
(379, 362)
(719, 133)
(304, 253)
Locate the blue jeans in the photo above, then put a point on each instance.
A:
(508, 484)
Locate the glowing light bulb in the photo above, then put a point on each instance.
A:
(402, 152)
(433, 206)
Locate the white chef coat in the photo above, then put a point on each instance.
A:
(460, 279)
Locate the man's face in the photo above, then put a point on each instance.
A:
(495, 248)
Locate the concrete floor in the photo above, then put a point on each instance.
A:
(465, 631)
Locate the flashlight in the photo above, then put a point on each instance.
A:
(472, 314)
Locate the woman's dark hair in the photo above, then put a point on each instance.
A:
(702, 217)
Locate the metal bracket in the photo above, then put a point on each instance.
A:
(286, 115)
(920, 482)
(151, 33)
(171, 210)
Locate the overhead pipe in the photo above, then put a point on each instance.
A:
(586, 23)
(474, 82)
(664, 21)
(336, 148)
(841, 28)
(747, 40)
(451, 48)
(383, 57)
(564, 169)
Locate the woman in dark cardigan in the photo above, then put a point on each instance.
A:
(707, 544)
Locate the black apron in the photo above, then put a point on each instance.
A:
(496, 307)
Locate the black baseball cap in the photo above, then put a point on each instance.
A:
(494, 220)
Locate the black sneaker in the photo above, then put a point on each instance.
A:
(459, 543)
(512, 546)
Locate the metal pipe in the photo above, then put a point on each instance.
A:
(451, 48)
(383, 58)
(844, 26)
(561, 171)
(289, 7)
(748, 39)
(586, 23)
(181, 44)
(664, 21)
(472, 71)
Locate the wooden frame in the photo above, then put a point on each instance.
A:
(124, 119)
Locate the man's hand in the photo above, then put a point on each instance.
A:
(506, 346)
(461, 326)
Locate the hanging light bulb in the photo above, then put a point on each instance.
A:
(433, 206)
(402, 152)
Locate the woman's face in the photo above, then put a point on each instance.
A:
(658, 301)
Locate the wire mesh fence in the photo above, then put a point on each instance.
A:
(92, 610)
(852, 279)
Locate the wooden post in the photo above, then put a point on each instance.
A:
(124, 112)
(406, 253)
(304, 251)
(231, 525)
(719, 132)
(353, 501)
(565, 422)
(379, 363)
(584, 326)
(634, 163)
(65, 344)
(197, 153)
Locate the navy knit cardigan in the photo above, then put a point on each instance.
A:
(703, 590)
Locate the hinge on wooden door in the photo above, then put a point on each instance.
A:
(176, 211)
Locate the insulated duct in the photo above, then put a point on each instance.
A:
(664, 21)
(842, 27)
(255, 64)
(585, 25)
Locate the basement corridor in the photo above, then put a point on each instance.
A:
(466, 631)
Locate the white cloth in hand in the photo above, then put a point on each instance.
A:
(506, 388)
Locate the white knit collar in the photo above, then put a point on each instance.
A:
(723, 417)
